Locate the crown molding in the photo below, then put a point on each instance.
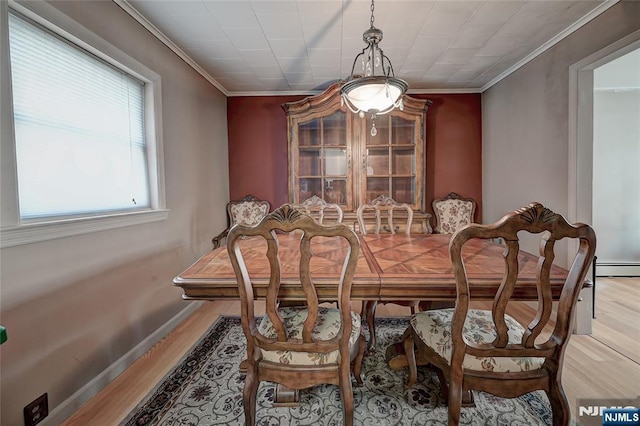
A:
(555, 40)
(461, 90)
(133, 12)
(128, 8)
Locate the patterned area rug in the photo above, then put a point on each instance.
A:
(206, 389)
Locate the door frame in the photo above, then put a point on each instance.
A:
(580, 167)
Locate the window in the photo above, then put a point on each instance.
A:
(79, 128)
(85, 137)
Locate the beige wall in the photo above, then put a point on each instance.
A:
(74, 306)
(528, 113)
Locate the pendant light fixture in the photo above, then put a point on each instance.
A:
(373, 89)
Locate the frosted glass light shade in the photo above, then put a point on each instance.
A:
(375, 94)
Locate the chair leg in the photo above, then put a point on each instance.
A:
(410, 353)
(467, 396)
(444, 387)
(370, 315)
(249, 394)
(357, 362)
(346, 393)
(559, 403)
(455, 397)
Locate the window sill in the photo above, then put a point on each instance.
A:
(44, 231)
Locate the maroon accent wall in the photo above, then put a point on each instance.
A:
(454, 147)
(258, 147)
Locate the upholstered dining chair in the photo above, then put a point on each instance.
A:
(299, 346)
(489, 350)
(379, 207)
(249, 210)
(453, 212)
(320, 210)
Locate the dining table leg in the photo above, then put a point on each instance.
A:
(368, 311)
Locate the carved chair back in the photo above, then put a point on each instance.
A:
(381, 205)
(249, 210)
(453, 212)
(320, 210)
(298, 346)
(490, 350)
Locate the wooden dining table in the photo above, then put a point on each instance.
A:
(391, 267)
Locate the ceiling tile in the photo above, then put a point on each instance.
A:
(411, 14)
(320, 14)
(418, 63)
(324, 72)
(290, 45)
(432, 46)
(496, 13)
(225, 66)
(230, 14)
(323, 56)
(475, 34)
(258, 57)
(274, 84)
(398, 36)
(322, 36)
(218, 49)
(456, 56)
(284, 25)
(275, 7)
(268, 72)
(447, 18)
(500, 45)
(185, 28)
(442, 70)
(247, 38)
(294, 65)
(299, 77)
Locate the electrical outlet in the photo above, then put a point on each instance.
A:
(35, 412)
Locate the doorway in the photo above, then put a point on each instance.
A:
(590, 172)
(616, 161)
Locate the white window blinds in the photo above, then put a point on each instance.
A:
(79, 128)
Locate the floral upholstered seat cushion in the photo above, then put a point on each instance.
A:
(248, 213)
(434, 328)
(453, 215)
(327, 327)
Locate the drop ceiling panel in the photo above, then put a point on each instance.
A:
(293, 45)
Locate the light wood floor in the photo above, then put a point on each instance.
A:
(603, 364)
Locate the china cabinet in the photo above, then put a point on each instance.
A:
(351, 160)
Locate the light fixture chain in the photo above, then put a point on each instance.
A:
(373, 93)
(372, 18)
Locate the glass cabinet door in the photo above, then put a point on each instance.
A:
(390, 158)
(322, 168)
(333, 155)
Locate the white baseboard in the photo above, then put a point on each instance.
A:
(63, 411)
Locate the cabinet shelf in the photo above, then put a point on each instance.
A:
(391, 176)
(319, 148)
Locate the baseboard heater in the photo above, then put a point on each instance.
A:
(618, 269)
